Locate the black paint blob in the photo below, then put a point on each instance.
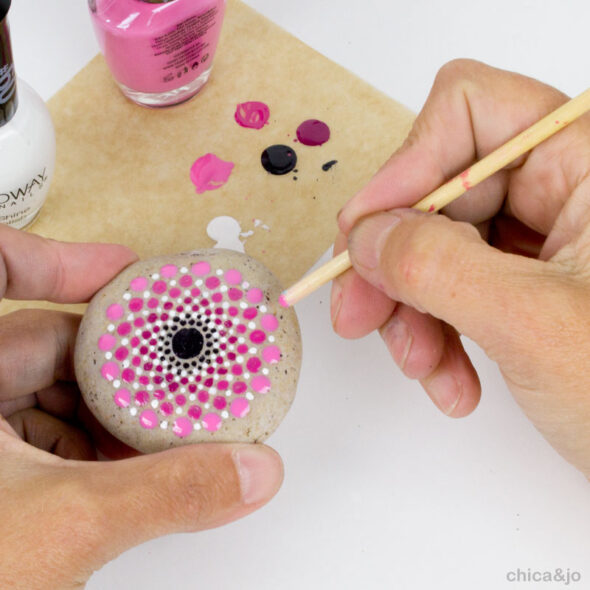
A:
(187, 343)
(329, 165)
(279, 159)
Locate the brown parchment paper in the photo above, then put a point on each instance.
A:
(122, 172)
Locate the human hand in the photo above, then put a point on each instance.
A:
(511, 272)
(64, 514)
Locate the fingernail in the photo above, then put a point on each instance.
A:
(445, 391)
(368, 238)
(398, 339)
(335, 301)
(260, 471)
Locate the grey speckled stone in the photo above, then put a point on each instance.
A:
(101, 386)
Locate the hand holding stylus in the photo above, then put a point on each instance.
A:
(507, 265)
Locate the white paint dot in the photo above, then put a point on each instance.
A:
(133, 411)
(245, 284)
(249, 396)
(108, 355)
(116, 383)
(265, 371)
(156, 276)
(173, 283)
(170, 396)
(207, 406)
(125, 341)
(243, 305)
(127, 296)
(136, 386)
(223, 288)
(164, 425)
(251, 325)
(192, 397)
(197, 426)
(155, 403)
(179, 410)
(224, 414)
(218, 272)
(271, 338)
(199, 282)
(263, 308)
(111, 328)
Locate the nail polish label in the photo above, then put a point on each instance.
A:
(20, 202)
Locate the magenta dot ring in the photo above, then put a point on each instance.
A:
(189, 348)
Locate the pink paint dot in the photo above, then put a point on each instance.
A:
(236, 370)
(115, 311)
(139, 322)
(234, 294)
(283, 301)
(216, 297)
(252, 114)
(210, 173)
(255, 295)
(110, 371)
(220, 402)
(175, 292)
(185, 281)
(250, 313)
(121, 353)
(223, 384)
(233, 277)
(128, 375)
(194, 412)
(212, 283)
(239, 407)
(201, 269)
(180, 400)
(271, 355)
(168, 271)
(166, 408)
(233, 311)
(242, 349)
(182, 427)
(142, 398)
(203, 397)
(269, 323)
(106, 342)
(159, 394)
(122, 398)
(260, 384)
(159, 287)
(253, 365)
(258, 337)
(212, 422)
(239, 387)
(148, 419)
(135, 304)
(139, 284)
(152, 303)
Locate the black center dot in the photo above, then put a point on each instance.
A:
(187, 343)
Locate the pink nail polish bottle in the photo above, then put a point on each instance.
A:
(160, 52)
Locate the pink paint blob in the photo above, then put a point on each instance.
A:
(313, 132)
(212, 283)
(109, 371)
(194, 412)
(212, 422)
(258, 337)
(209, 173)
(260, 384)
(122, 398)
(239, 407)
(271, 355)
(115, 311)
(106, 342)
(283, 301)
(269, 323)
(253, 114)
(148, 419)
(159, 287)
(182, 427)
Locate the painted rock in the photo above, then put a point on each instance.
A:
(189, 348)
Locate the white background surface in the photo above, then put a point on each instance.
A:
(381, 490)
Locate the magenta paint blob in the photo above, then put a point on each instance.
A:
(209, 173)
(313, 132)
(253, 114)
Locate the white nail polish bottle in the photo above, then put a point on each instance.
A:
(27, 141)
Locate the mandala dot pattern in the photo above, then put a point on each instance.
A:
(189, 348)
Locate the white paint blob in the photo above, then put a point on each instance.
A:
(227, 232)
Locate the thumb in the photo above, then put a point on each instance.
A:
(186, 489)
(444, 268)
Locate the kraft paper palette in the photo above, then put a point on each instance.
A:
(123, 172)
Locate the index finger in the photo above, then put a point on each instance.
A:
(37, 268)
(472, 109)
